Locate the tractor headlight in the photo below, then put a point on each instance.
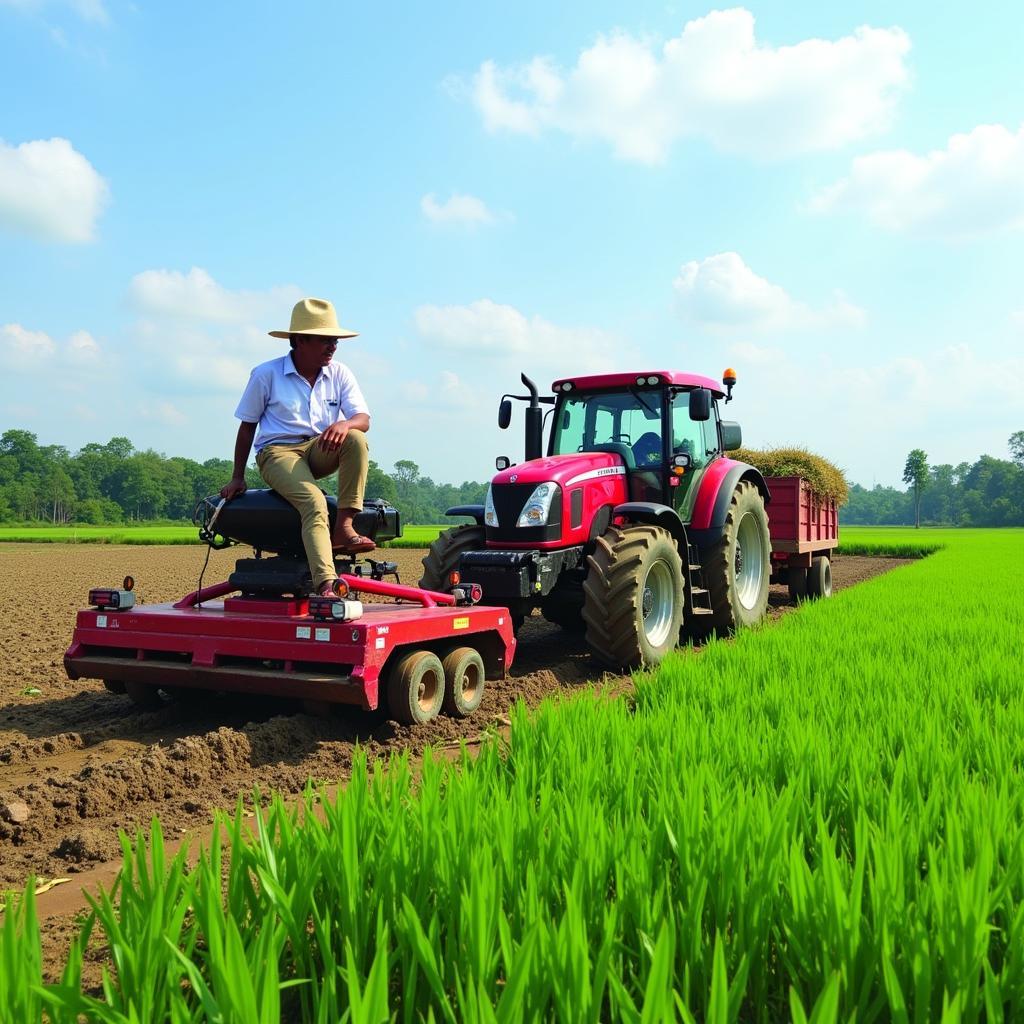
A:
(538, 506)
(490, 516)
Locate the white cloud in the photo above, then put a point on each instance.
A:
(48, 190)
(714, 81)
(464, 210)
(972, 187)
(197, 296)
(24, 349)
(721, 293)
(486, 330)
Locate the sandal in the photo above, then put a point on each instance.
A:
(353, 545)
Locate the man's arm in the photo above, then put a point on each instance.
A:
(243, 445)
(331, 439)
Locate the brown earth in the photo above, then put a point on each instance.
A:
(88, 763)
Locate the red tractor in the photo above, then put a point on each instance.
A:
(635, 526)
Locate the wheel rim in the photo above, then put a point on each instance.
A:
(750, 559)
(470, 681)
(427, 690)
(658, 603)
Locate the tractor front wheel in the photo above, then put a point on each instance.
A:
(443, 557)
(633, 596)
(736, 569)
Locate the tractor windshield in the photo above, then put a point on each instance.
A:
(625, 422)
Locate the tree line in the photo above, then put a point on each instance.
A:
(113, 483)
(989, 492)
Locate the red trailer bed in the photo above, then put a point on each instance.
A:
(804, 530)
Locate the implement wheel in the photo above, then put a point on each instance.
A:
(416, 688)
(633, 596)
(736, 569)
(444, 554)
(143, 696)
(464, 680)
(819, 577)
(114, 685)
(797, 578)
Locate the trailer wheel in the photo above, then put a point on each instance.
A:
(143, 696)
(444, 554)
(464, 680)
(736, 569)
(633, 596)
(797, 580)
(114, 685)
(819, 578)
(416, 688)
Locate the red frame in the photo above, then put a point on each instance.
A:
(224, 643)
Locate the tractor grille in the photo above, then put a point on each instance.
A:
(509, 500)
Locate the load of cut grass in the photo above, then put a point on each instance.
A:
(825, 477)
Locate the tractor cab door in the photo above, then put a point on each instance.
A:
(699, 440)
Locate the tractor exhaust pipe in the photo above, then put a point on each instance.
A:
(534, 421)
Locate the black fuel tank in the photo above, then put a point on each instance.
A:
(265, 520)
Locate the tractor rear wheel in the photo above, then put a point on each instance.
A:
(736, 569)
(819, 578)
(416, 688)
(444, 554)
(633, 596)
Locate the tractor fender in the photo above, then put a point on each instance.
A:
(717, 486)
(654, 514)
(473, 511)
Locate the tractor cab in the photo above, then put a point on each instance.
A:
(663, 426)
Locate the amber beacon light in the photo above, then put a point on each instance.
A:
(729, 380)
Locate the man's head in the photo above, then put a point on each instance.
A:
(310, 351)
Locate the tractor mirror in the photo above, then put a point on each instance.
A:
(732, 436)
(505, 413)
(700, 404)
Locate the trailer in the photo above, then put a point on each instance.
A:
(261, 631)
(804, 530)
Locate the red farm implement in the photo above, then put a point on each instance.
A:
(261, 632)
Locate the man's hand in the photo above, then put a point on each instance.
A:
(233, 489)
(333, 437)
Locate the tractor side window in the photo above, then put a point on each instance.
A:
(569, 427)
(711, 443)
(690, 437)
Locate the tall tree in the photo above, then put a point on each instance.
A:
(915, 473)
(1017, 447)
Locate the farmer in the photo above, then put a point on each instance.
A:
(308, 418)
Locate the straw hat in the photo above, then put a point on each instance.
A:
(315, 316)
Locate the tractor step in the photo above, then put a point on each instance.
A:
(700, 598)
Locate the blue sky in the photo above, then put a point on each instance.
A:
(828, 197)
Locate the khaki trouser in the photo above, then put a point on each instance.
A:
(293, 470)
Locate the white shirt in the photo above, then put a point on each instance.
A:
(288, 409)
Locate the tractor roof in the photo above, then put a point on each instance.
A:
(600, 381)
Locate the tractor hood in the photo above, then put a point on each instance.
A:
(565, 470)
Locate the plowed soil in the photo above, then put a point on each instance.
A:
(88, 763)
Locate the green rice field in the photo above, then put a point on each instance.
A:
(821, 820)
